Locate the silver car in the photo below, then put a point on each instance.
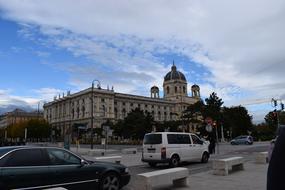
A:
(242, 140)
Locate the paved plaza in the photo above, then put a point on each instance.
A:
(252, 177)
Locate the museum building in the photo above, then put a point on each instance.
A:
(76, 109)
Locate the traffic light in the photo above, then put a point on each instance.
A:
(272, 114)
(282, 106)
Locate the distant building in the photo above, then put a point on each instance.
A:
(75, 109)
(18, 116)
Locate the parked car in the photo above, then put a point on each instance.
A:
(173, 148)
(242, 140)
(23, 167)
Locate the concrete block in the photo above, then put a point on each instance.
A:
(182, 182)
(114, 159)
(129, 151)
(224, 166)
(96, 152)
(261, 158)
(221, 172)
(178, 176)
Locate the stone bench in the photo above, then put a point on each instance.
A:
(178, 176)
(261, 158)
(115, 159)
(227, 165)
(96, 152)
(129, 151)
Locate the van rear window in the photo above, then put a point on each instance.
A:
(152, 139)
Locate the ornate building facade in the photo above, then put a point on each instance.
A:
(75, 109)
(18, 116)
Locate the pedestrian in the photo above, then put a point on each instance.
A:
(212, 145)
(276, 168)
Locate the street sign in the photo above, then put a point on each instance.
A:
(103, 141)
(209, 128)
(110, 133)
(209, 120)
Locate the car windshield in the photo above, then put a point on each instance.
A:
(152, 139)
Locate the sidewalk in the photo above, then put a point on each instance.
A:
(253, 177)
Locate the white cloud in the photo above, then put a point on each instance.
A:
(47, 94)
(42, 54)
(7, 97)
(240, 43)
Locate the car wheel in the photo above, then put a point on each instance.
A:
(151, 164)
(205, 157)
(110, 181)
(174, 161)
(232, 143)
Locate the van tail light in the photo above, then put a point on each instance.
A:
(163, 153)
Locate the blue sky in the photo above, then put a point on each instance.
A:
(50, 47)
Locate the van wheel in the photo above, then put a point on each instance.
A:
(151, 164)
(205, 157)
(174, 161)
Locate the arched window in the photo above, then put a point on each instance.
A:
(184, 89)
(83, 111)
(167, 89)
(175, 89)
(116, 113)
(77, 112)
(103, 110)
(124, 113)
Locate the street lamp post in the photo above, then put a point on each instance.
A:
(39, 109)
(92, 89)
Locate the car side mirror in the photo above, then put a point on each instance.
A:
(83, 163)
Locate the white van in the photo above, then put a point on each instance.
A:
(173, 147)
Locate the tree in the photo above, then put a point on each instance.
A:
(263, 132)
(171, 126)
(237, 120)
(135, 125)
(272, 118)
(16, 130)
(38, 129)
(213, 107)
(193, 112)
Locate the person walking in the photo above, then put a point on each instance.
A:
(212, 145)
